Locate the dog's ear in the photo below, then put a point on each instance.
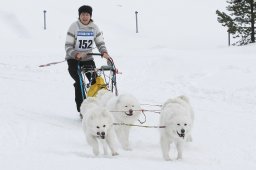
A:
(185, 98)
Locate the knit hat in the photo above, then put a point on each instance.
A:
(85, 8)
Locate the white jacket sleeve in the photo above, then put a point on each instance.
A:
(99, 41)
(70, 42)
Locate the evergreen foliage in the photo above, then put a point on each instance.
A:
(241, 21)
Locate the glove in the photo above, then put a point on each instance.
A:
(105, 55)
(80, 55)
(83, 55)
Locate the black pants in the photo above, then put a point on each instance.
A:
(72, 69)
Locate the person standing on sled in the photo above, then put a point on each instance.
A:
(81, 36)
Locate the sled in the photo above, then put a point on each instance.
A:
(105, 78)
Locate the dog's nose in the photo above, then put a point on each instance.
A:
(102, 133)
(182, 130)
(130, 111)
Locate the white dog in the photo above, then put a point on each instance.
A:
(125, 109)
(103, 96)
(98, 126)
(177, 116)
(88, 103)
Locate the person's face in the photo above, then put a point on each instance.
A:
(85, 18)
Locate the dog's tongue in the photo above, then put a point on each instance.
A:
(130, 112)
(182, 135)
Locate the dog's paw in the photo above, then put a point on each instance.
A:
(167, 158)
(96, 152)
(105, 153)
(115, 154)
(179, 158)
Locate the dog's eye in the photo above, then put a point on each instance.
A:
(178, 124)
(98, 127)
(104, 125)
(125, 106)
(185, 124)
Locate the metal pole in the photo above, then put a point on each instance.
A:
(45, 19)
(228, 38)
(136, 13)
(252, 21)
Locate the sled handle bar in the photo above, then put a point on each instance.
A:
(102, 68)
(94, 54)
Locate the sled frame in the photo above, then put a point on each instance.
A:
(107, 72)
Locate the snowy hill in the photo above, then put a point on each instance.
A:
(180, 49)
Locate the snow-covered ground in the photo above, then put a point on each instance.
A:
(180, 49)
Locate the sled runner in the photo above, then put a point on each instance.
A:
(104, 77)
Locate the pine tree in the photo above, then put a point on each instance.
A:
(240, 22)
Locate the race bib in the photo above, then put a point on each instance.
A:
(84, 40)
